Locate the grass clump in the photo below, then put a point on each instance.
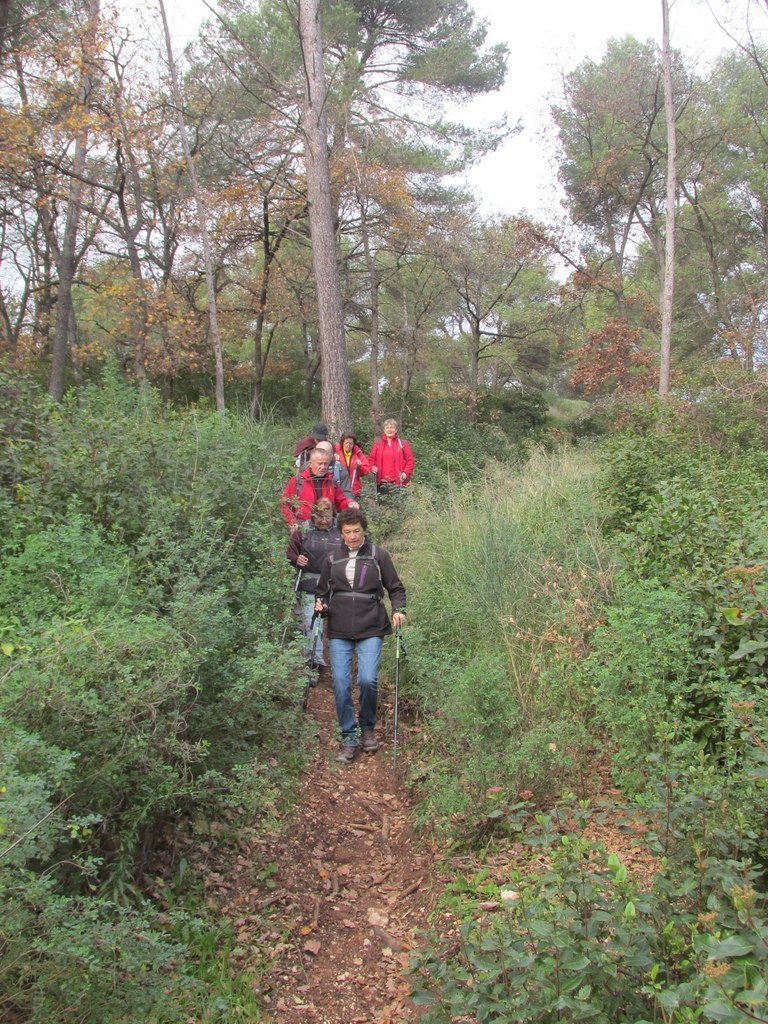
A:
(505, 586)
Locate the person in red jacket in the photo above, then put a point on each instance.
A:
(391, 460)
(303, 489)
(351, 455)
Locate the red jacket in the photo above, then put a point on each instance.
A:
(392, 456)
(297, 506)
(357, 466)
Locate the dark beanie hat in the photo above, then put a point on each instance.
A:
(320, 431)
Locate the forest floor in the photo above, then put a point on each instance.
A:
(359, 885)
(327, 906)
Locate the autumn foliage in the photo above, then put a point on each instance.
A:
(613, 359)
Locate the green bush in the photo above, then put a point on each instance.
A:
(452, 446)
(682, 650)
(641, 665)
(143, 586)
(576, 938)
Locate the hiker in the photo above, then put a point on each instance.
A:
(304, 488)
(391, 460)
(338, 469)
(350, 592)
(305, 445)
(307, 550)
(351, 455)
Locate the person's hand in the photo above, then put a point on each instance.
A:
(302, 561)
(353, 504)
(398, 619)
(319, 606)
(403, 477)
(375, 469)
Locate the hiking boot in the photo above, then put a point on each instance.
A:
(368, 741)
(347, 755)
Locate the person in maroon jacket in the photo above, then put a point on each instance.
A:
(303, 447)
(350, 454)
(303, 489)
(391, 460)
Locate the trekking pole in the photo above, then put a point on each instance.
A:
(315, 625)
(293, 603)
(398, 633)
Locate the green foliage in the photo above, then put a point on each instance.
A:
(89, 959)
(532, 644)
(576, 938)
(142, 588)
(452, 446)
(641, 665)
(493, 635)
(680, 656)
(712, 444)
(520, 415)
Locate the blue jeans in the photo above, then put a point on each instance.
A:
(368, 658)
(307, 611)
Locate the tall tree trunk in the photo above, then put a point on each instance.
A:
(140, 320)
(476, 341)
(373, 284)
(5, 19)
(334, 372)
(668, 292)
(270, 248)
(202, 216)
(67, 257)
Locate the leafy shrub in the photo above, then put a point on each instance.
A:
(142, 587)
(576, 938)
(452, 446)
(641, 664)
(671, 450)
(682, 651)
(90, 960)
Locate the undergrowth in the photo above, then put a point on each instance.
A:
(648, 657)
(572, 935)
(143, 587)
(506, 583)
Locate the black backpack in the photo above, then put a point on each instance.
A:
(337, 556)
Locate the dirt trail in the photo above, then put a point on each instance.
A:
(353, 887)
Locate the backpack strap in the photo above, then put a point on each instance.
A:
(336, 556)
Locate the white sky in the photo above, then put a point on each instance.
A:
(545, 38)
(549, 37)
